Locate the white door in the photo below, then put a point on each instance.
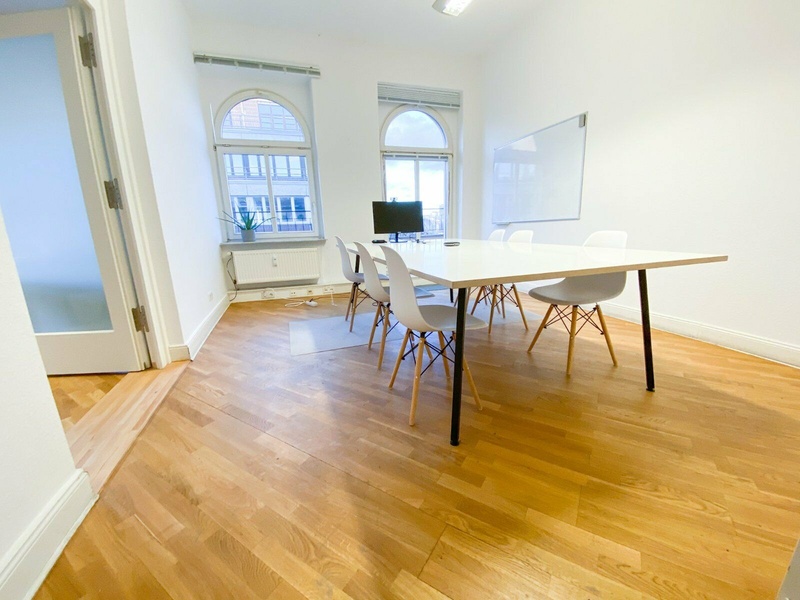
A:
(66, 240)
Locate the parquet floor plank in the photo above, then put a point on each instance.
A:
(267, 475)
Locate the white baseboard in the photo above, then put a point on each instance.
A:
(743, 342)
(177, 353)
(200, 335)
(38, 548)
(289, 292)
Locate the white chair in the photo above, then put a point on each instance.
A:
(357, 295)
(576, 291)
(379, 293)
(419, 322)
(497, 235)
(499, 293)
(484, 291)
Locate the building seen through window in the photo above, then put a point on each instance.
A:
(267, 168)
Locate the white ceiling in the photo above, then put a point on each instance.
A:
(404, 23)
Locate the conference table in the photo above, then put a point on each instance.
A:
(464, 264)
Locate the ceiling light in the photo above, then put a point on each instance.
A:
(451, 7)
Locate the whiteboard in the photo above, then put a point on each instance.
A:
(540, 177)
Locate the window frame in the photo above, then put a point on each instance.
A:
(267, 149)
(416, 154)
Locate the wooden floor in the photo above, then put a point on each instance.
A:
(105, 434)
(264, 475)
(75, 395)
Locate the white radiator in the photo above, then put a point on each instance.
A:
(267, 266)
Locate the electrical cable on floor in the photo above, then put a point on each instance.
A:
(232, 278)
(310, 302)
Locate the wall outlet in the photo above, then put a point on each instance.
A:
(328, 289)
(292, 293)
(267, 294)
(310, 292)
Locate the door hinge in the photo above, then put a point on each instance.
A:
(113, 194)
(88, 57)
(140, 319)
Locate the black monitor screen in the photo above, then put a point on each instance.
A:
(397, 217)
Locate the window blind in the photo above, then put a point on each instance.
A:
(404, 94)
(255, 64)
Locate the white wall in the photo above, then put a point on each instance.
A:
(35, 462)
(346, 116)
(692, 145)
(173, 120)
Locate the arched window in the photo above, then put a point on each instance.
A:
(266, 167)
(415, 129)
(417, 161)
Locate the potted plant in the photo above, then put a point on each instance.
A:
(247, 221)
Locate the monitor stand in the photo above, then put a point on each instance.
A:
(397, 240)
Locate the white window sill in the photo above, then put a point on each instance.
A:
(260, 244)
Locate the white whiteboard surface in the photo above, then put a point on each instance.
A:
(540, 176)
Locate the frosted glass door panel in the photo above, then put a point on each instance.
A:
(40, 193)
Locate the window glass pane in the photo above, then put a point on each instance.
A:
(261, 119)
(400, 181)
(248, 189)
(289, 182)
(415, 129)
(433, 192)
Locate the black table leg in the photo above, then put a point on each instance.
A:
(458, 368)
(358, 262)
(648, 343)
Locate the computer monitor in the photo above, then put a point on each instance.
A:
(397, 217)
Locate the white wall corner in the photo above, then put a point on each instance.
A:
(743, 342)
(27, 563)
(200, 335)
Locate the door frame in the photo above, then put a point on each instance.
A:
(97, 20)
(122, 348)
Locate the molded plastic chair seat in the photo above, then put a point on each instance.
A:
(588, 289)
(577, 291)
(440, 317)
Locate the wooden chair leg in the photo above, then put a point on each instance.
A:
(355, 305)
(378, 312)
(384, 334)
(472, 386)
(417, 376)
(519, 304)
(350, 301)
(605, 334)
(573, 326)
(502, 289)
(542, 325)
(399, 357)
(443, 345)
(494, 304)
(478, 297)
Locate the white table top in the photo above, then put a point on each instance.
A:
(480, 262)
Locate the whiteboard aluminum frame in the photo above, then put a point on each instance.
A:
(585, 116)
